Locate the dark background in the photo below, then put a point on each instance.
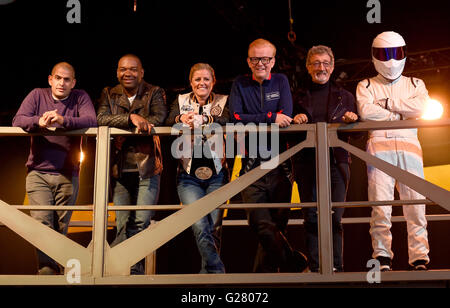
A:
(169, 37)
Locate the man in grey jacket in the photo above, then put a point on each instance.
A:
(136, 161)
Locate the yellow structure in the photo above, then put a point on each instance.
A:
(438, 175)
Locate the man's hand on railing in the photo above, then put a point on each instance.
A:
(142, 124)
(49, 118)
(301, 118)
(283, 120)
(349, 117)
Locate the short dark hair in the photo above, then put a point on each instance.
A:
(130, 55)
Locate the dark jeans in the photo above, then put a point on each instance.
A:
(306, 179)
(273, 250)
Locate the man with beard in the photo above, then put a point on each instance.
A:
(323, 101)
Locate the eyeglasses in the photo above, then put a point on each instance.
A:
(316, 64)
(386, 54)
(264, 60)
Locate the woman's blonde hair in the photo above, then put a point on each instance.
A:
(202, 66)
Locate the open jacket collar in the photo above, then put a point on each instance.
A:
(139, 101)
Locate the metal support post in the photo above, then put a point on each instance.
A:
(324, 200)
(100, 201)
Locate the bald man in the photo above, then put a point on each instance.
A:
(54, 161)
(136, 161)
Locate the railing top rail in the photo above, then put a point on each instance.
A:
(168, 131)
(377, 125)
(160, 131)
(17, 131)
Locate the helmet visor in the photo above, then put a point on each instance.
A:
(386, 54)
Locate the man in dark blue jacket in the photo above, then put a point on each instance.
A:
(323, 101)
(264, 97)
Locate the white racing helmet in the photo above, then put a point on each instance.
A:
(389, 54)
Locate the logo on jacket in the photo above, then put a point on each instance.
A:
(216, 111)
(272, 96)
(186, 108)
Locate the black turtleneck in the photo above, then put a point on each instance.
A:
(319, 99)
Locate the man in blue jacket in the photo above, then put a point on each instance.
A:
(265, 97)
(323, 101)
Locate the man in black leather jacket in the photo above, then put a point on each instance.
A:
(136, 161)
(322, 101)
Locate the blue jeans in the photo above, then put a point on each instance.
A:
(51, 189)
(130, 189)
(190, 189)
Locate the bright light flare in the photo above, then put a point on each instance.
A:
(81, 157)
(433, 110)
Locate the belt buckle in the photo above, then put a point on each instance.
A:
(203, 173)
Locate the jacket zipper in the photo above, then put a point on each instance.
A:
(262, 98)
(335, 110)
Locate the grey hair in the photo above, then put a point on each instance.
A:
(320, 49)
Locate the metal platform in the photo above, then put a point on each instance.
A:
(102, 265)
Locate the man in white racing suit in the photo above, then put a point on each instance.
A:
(392, 97)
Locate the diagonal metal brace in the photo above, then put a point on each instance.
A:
(433, 192)
(54, 244)
(121, 257)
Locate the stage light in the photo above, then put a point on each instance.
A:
(433, 110)
(81, 157)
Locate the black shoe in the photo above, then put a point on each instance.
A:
(385, 264)
(299, 262)
(419, 265)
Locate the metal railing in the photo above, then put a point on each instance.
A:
(103, 265)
